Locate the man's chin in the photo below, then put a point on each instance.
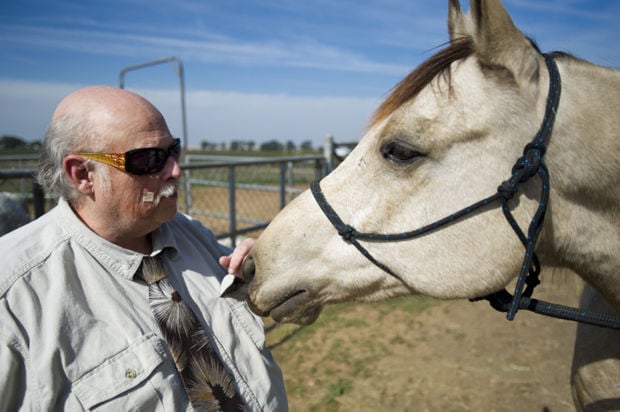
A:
(172, 198)
(166, 208)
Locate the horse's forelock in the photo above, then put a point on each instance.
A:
(420, 77)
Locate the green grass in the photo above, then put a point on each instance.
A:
(327, 360)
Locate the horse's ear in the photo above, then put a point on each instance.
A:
(498, 41)
(456, 21)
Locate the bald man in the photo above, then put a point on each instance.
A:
(77, 329)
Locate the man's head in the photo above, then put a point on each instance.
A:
(87, 126)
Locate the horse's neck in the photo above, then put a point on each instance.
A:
(584, 165)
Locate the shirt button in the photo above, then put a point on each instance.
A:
(131, 374)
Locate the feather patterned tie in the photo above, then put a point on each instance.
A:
(208, 384)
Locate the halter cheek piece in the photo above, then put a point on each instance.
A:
(528, 165)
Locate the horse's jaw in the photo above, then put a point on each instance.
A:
(299, 305)
(285, 302)
(280, 287)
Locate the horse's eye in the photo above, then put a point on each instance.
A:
(399, 152)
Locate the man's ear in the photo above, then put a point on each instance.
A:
(79, 174)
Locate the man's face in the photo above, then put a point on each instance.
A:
(139, 203)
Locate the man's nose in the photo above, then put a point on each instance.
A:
(173, 168)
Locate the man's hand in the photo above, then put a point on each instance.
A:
(234, 261)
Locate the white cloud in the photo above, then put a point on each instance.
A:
(302, 53)
(26, 107)
(223, 116)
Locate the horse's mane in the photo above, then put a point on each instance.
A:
(419, 78)
(437, 65)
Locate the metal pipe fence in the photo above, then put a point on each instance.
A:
(241, 196)
(233, 197)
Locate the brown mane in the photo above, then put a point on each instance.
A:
(419, 78)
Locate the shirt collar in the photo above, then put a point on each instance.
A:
(116, 259)
(163, 239)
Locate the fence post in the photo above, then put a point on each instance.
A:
(291, 180)
(319, 169)
(188, 187)
(282, 185)
(232, 207)
(38, 199)
(328, 153)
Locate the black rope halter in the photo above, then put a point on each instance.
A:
(528, 165)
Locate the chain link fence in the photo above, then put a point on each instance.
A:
(240, 197)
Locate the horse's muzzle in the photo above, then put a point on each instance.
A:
(248, 269)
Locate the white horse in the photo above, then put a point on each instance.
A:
(445, 138)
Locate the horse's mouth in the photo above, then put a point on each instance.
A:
(296, 307)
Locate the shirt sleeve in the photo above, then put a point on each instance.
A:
(12, 365)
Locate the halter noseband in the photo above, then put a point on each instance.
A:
(528, 165)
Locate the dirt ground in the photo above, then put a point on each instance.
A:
(449, 356)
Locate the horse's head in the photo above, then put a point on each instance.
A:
(445, 138)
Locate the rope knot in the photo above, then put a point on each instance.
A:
(526, 167)
(507, 189)
(347, 232)
(528, 164)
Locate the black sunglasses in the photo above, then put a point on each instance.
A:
(143, 161)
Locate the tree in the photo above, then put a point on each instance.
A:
(11, 142)
(236, 145)
(306, 145)
(271, 146)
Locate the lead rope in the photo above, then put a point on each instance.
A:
(529, 165)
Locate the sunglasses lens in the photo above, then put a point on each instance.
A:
(150, 160)
(175, 149)
(145, 161)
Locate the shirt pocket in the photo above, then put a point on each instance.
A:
(126, 372)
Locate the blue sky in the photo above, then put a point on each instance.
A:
(254, 69)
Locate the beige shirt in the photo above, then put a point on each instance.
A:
(77, 332)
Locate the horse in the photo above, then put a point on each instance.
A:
(12, 214)
(446, 137)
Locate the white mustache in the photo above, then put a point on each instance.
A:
(167, 190)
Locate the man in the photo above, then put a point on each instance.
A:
(77, 330)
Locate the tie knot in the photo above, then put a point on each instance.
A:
(152, 269)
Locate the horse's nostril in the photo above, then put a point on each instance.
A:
(248, 268)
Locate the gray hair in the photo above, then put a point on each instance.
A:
(65, 135)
